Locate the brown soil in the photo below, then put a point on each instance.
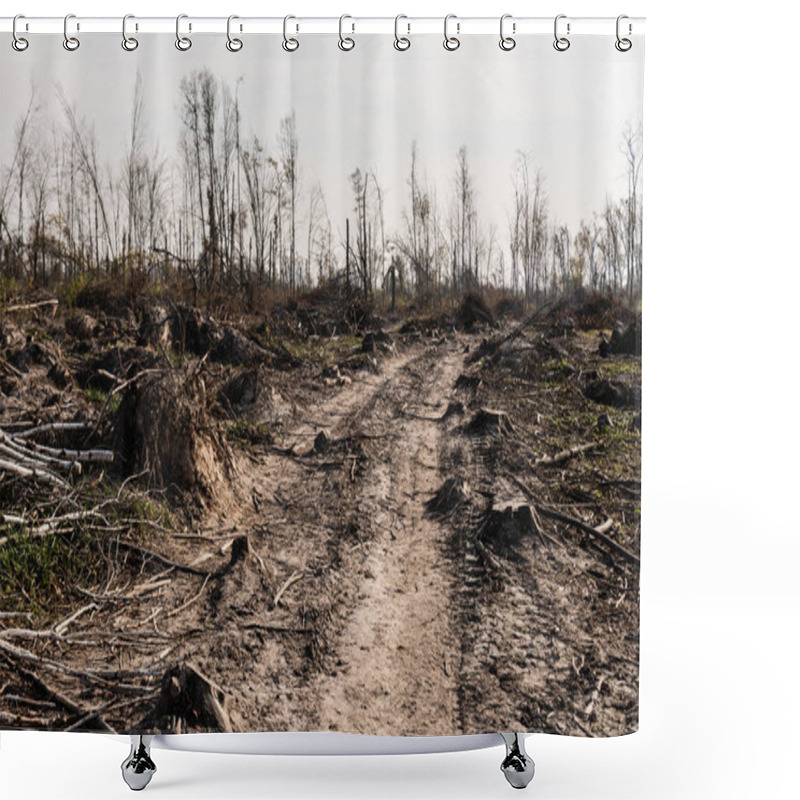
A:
(355, 603)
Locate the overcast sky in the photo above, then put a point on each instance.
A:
(363, 108)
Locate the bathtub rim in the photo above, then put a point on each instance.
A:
(320, 743)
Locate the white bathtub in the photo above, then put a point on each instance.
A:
(139, 767)
(321, 744)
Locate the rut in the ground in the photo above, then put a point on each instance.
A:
(397, 655)
(366, 641)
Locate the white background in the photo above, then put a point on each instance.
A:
(720, 598)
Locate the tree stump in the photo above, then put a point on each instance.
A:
(452, 494)
(490, 422)
(188, 701)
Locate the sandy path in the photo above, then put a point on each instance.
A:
(399, 650)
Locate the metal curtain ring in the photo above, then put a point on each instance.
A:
(401, 42)
(233, 44)
(451, 42)
(345, 42)
(561, 43)
(507, 42)
(623, 45)
(290, 44)
(129, 43)
(19, 43)
(181, 42)
(70, 42)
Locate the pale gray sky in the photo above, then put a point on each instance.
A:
(364, 108)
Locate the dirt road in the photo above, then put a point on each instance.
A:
(351, 607)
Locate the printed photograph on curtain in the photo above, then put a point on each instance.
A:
(320, 385)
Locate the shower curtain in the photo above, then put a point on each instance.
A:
(320, 381)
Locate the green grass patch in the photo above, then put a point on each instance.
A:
(628, 366)
(249, 432)
(324, 352)
(39, 574)
(97, 398)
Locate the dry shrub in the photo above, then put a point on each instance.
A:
(473, 311)
(163, 426)
(593, 310)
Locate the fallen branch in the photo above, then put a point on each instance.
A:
(162, 559)
(37, 474)
(52, 426)
(565, 455)
(596, 533)
(293, 578)
(190, 601)
(31, 306)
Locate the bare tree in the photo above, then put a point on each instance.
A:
(84, 152)
(418, 241)
(288, 147)
(368, 208)
(632, 150)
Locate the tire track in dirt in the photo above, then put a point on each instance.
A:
(398, 651)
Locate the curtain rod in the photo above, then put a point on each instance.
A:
(314, 25)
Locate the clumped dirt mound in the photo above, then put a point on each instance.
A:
(434, 327)
(233, 347)
(240, 391)
(118, 364)
(191, 331)
(509, 306)
(473, 311)
(612, 393)
(80, 325)
(106, 297)
(162, 426)
(592, 310)
(377, 342)
(328, 310)
(186, 329)
(625, 340)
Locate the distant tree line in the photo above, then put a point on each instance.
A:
(234, 214)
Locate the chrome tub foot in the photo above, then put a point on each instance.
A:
(138, 768)
(517, 766)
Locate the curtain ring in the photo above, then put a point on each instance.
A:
(129, 43)
(561, 43)
(451, 42)
(233, 44)
(401, 42)
(19, 43)
(507, 42)
(623, 45)
(181, 42)
(290, 44)
(70, 42)
(345, 42)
